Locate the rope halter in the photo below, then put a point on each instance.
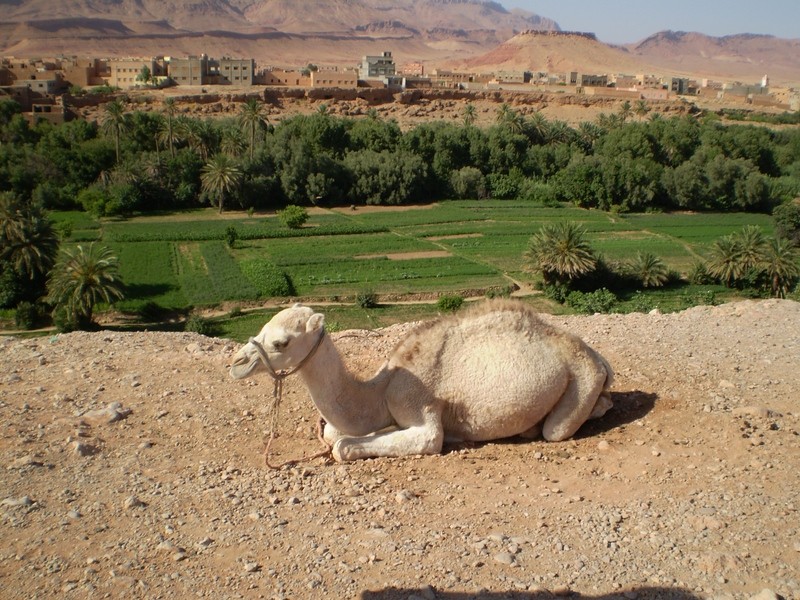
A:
(277, 391)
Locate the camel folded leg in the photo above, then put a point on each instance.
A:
(421, 439)
(577, 404)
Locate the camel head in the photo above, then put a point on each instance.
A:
(286, 341)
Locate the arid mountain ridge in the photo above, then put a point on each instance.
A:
(464, 34)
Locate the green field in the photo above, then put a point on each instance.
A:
(181, 261)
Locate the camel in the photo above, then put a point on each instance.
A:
(494, 371)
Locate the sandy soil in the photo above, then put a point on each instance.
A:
(133, 466)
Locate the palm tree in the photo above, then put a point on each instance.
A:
(198, 133)
(252, 119)
(625, 111)
(81, 279)
(219, 178)
(641, 109)
(724, 263)
(560, 251)
(589, 133)
(780, 262)
(470, 114)
(752, 245)
(649, 269)
(28, 240)
(538, 126)
(168, 132)
(510, 118)
(115, 122)
(232, 142)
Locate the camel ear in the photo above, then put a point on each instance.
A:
(316, 322)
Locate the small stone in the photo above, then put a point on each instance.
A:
(28, 460)
(251, 567)
(15, 502)
(110, 414)
(603, 445)
(133, 502)
(82, 449)
(765, 594)
(404, 496)
(505, 558)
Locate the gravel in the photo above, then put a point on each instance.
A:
(132, 465)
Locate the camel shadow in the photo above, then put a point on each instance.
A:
(628, 407)
(641, 593)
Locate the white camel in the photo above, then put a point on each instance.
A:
(495, 371)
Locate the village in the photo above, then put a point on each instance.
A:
(41, 85)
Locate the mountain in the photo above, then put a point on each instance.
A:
(288, 32)
(745, 56)
(540, 51)
(479, 35)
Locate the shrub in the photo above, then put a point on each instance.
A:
(197, 324)
(367, 299)
(269, 280)
(231, 235)
(293, 216)
(151, 312)
(699, 274)
(64, 320)
(598, 301)
(642, 303)
(557, 292)
(450, 303)
(26, 316)
(468, 182)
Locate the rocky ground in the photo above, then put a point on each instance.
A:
(131, 465)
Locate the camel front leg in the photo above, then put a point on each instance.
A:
(420, 439)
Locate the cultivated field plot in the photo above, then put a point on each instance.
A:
(182, 260)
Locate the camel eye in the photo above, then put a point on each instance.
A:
(280, 344)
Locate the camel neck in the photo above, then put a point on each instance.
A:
(352, 406)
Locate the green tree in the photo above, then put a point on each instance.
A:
(293, 216)
(648, 269)
(787, 220)
(220, 178)
(115, 122)
(641, 109)
(752, 245)
(724, 263)
(253, 119)
(168, 133)
(470, 114)
(561, 253)
(145, 75)
(28, 241)
(780, 263)
(82, 278)
(510, 118)
(625, 111)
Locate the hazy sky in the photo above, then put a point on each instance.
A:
(625, 21)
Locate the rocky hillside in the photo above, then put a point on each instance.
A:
(272, 31)
(132, 466)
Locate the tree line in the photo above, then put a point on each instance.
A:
(132, 161)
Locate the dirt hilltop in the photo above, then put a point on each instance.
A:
(132, 466)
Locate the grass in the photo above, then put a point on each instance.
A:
(179, 261)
